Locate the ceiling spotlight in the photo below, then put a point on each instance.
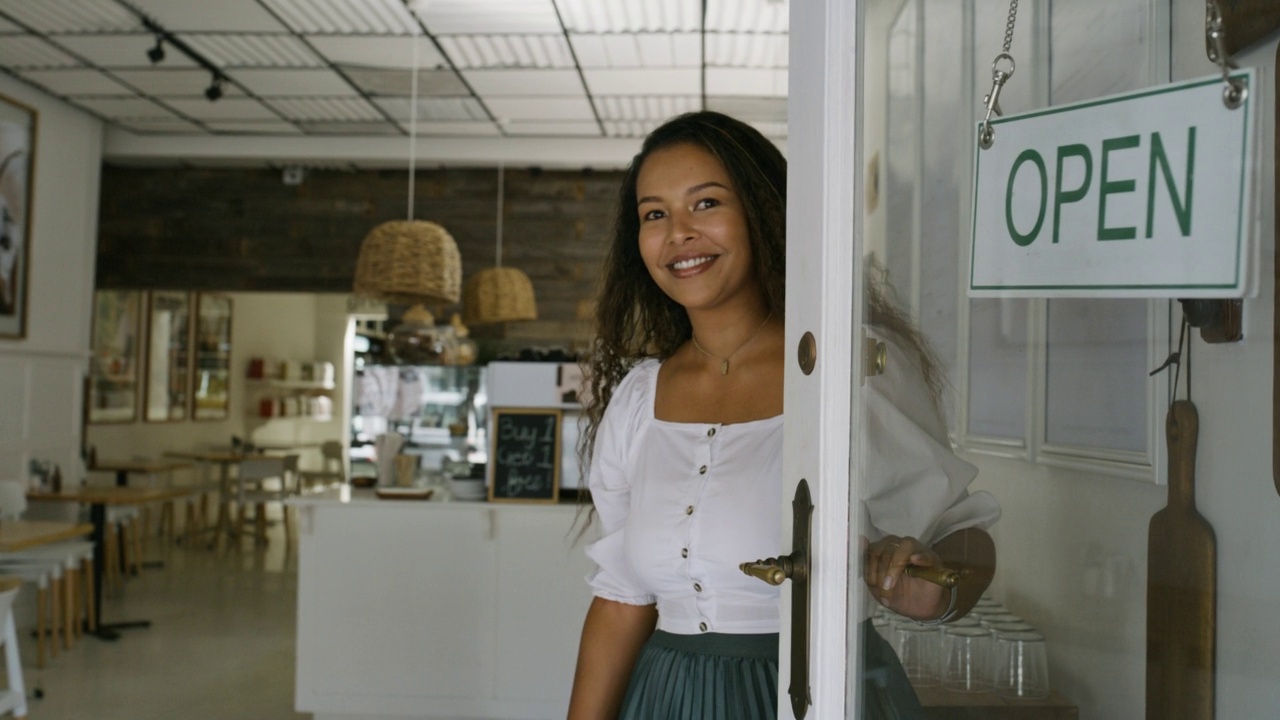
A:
(214, 91)
(156, 54)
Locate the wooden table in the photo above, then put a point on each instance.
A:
(123, 468)
(224, 459)
(98, 498)
(23, 534)
(942, 704)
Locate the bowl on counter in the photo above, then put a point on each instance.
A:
(468, 488)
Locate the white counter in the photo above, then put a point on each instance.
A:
(421, 609)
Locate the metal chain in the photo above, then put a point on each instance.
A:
(1008, 28)
(999, 76)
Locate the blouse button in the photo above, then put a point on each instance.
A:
(711, 432)
(697, 587)
(688, 510)
(684, 552)
(702, 470)
(702, 627)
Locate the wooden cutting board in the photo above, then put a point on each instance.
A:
(1181, 587)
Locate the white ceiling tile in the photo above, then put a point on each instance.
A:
(748, 16)
(463, 17)
(346, 16)
(508, 51)
(474, 129)
(72, 15)
(162, 127)
(328, 109)
(645, 107)
(120, 51)
(524, 82)
(29, 51)
(253, 128)
(762, 109)
(400, 82)
(621, 50)
(747, 82)
(456, 108)
(225, 109)
(630, 128)
(513, 109)
(611, 16)
(76, 82)
(384, 52)
(166, 82)
(125, 108)
(183, 16)
(590, 50)
(230, 51)
(351, 128)
(552, 129)
(275, 83)
(752, 50)
(649, 81)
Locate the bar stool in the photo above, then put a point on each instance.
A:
(13, 698)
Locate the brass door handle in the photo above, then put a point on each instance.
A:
(796, 567)
(771, 570)
(946, 577)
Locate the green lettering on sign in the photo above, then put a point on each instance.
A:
(1020, 239)
(1062, 197)
(1111, 187)
(1180, 209)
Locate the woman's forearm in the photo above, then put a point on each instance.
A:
(612, 636)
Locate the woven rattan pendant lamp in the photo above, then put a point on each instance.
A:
(499, 294)
(410, 262)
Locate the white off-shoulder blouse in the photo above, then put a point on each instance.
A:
(681, 505)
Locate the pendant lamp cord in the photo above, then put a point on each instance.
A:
(413, 117)
(497, 254)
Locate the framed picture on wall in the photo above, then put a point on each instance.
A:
(115, 368)
(211, 380)
(168, 356)
(17, 169)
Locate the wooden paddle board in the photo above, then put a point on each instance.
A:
(1181, 587)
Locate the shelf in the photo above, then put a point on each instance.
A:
(294, 384)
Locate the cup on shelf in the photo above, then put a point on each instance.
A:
(966, 659)
(1021, 666)
(918, 647)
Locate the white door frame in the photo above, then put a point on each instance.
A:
(824, 296)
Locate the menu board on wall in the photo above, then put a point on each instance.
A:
(525, 455)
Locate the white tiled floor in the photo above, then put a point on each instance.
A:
(221, 644)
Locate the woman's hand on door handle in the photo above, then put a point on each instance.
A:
(885, 573)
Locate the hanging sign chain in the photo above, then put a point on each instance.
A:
(999, 76)
(1215, 40)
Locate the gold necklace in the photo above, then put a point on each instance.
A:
(724, 361)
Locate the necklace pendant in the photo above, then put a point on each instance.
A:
(724, 366)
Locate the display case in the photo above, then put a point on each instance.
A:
(440, 410)
(115, 369)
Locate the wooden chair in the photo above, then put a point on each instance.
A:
(261, 480)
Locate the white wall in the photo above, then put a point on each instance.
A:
(1073, 547)
(41, 377)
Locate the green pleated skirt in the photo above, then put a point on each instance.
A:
(711, 676)
(735, 677)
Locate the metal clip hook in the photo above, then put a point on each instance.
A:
(986, 133)
(1215, 40)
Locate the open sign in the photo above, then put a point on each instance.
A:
(1145, 194)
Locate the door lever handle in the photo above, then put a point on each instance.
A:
(946, 577)
(771, 570)
(796, 567)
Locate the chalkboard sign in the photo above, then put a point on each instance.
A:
(525, 455)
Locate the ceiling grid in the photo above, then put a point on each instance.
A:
(518, 68)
